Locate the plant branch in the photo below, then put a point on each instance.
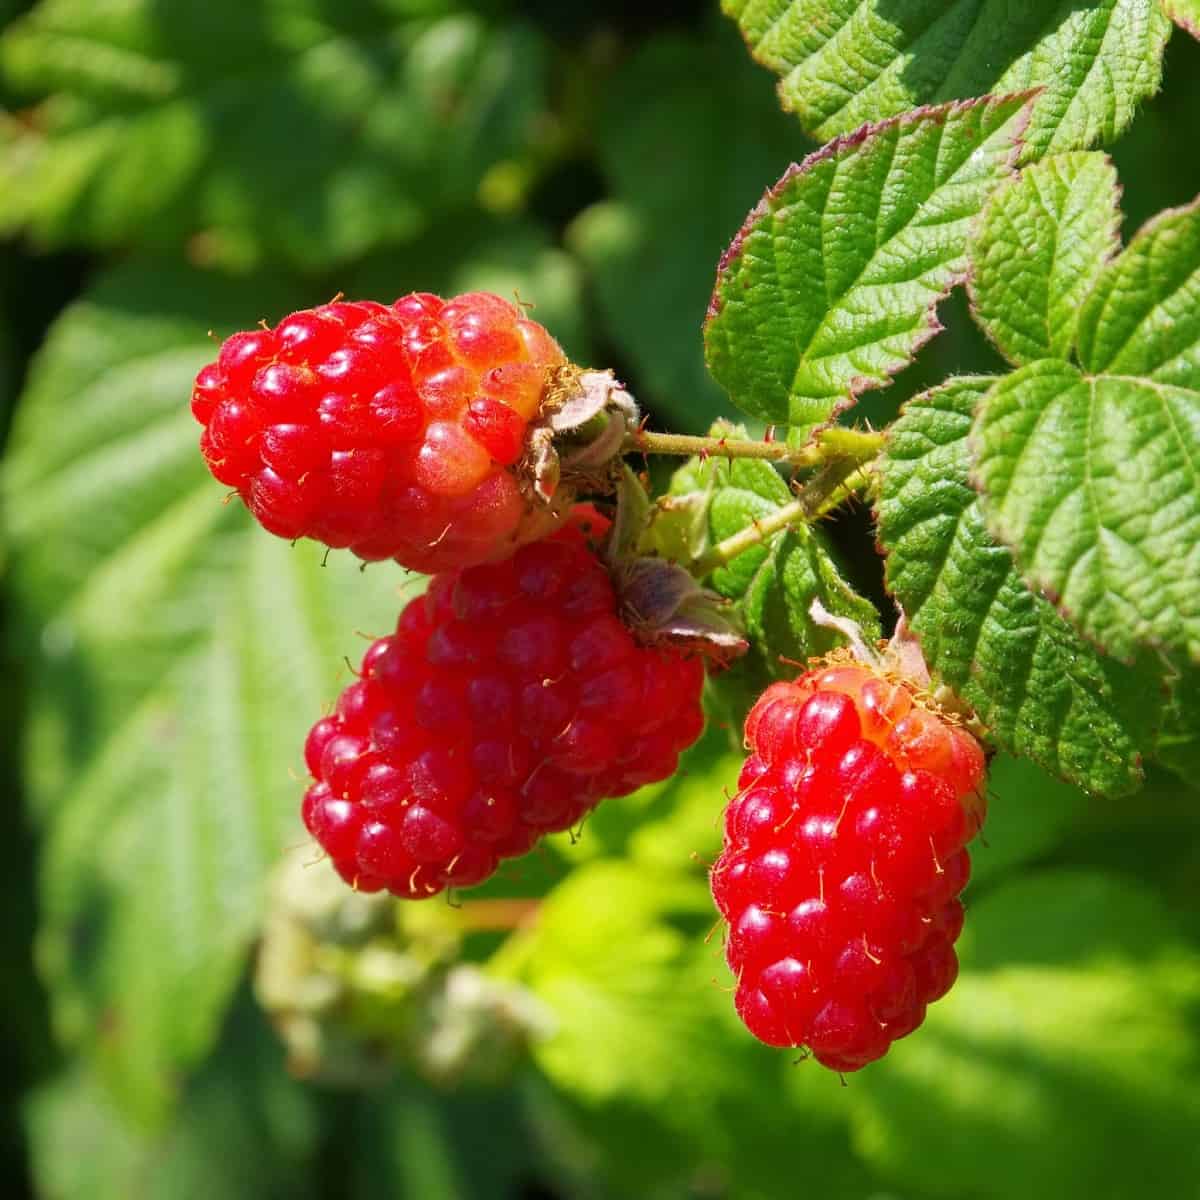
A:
(831, 444)
(820, 494)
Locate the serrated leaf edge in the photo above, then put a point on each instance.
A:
(981, 220)
(1137, 765)
(1035, 584)
(849, 141)
(1184, 22)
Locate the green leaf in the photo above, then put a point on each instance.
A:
(243, 1130)
(308, 131)
(1062, 1063)
(1041, 243)
(649, 1051)
(843, 62)
(775, 582)
(1142, 317)
(1095, 483)
(180, 655)
(832, 284)
(649, 255)
(1185, 14)
(1041, 690)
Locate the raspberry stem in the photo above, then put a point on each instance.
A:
(812, 502)
(831, 445)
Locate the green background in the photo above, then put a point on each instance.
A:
(170, 167)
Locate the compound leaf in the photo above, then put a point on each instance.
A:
(1041, 243)
(843, 62)
(1041, 690)
(831, 285)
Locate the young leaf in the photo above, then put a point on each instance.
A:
(1041, 690)
(831, 285)
(843, 62)
(307, 131)
(776, 581)
(181, 654)
(1041, 243)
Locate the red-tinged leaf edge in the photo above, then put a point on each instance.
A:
(848, 141)
(969, 279)
(1188, 24)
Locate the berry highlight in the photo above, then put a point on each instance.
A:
(396, 431)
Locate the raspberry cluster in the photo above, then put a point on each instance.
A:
(391, 430)
(509, 701)
(843, 860)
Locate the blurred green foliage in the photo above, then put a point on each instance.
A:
(171, 167)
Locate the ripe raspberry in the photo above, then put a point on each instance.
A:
(393, 430)
(510, 700)
(844, 856)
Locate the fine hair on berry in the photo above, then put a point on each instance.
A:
(509, 701)
(844, 856)
(394, 430)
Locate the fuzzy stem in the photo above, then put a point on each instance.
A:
(808, 505)
(834, 443)
(860, 478)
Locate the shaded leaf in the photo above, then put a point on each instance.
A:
(513, 259)
(181, 655)
(1029, 815)
(308, 131)
(1178, 742)
(775, 582)
(243, 1130)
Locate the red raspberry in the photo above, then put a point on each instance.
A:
(844, 856)
(393, 430)
(510, 700)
